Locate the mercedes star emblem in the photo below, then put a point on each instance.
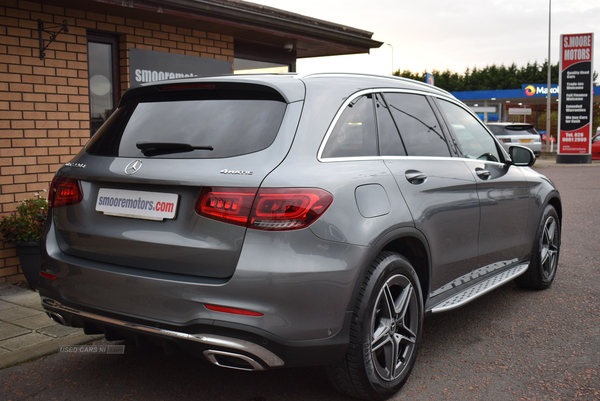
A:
(133, 167)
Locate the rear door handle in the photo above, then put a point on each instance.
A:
(483, 174)
(415, 177)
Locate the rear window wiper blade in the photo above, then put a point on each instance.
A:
(164, 148)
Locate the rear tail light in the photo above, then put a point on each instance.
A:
(64, 192)
(288, 208)
(231, 205)
(505, 140)
(271, 209)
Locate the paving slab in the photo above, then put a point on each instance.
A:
(28, 297)
(6, 305)
(26, 332)
(45, 348)
(24, 341)
(18, 312)
(34, 322)
(8, 330)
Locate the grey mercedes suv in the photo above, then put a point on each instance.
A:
(267, 221)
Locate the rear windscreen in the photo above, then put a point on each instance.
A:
(520, 130)
(223, 127)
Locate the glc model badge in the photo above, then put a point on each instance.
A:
(133, 167)
(75, 165)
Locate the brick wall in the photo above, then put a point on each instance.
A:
(44, 104)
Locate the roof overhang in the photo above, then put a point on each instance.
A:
(254, 23)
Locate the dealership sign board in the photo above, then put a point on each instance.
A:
(576, 98)
(151, 66)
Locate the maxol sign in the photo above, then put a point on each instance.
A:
(539, 90)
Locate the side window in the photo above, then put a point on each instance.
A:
(354, 134)
(474, 140)
(419, 128)
(390, 143)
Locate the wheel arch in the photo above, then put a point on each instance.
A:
(415, 250)
(407, 242)
(557, 204)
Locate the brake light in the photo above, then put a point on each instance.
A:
(64, 192)
(175, 87)
(506, 140)
(231, 205)
(271, 209)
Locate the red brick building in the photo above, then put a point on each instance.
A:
(56, 90)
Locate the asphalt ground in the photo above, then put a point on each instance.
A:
(511, 344)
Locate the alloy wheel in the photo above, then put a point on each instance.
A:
(394, 327)
(549, 247)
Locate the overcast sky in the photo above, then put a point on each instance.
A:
(442, 34)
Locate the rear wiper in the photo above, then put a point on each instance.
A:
(164, 148)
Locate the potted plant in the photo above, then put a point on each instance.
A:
(23, 228)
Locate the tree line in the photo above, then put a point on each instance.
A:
(492, 77)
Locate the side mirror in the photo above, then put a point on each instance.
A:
(521, 156)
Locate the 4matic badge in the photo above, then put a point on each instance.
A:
(236, 172)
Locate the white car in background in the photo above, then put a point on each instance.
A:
(517, 134)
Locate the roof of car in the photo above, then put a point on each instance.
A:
(290, 84)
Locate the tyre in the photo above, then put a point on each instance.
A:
(385, 331)
(544, 256)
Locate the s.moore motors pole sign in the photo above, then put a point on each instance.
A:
(576, 99)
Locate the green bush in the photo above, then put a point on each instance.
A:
(26, 223)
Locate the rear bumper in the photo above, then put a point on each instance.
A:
(228, 346)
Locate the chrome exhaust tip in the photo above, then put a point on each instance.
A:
(57, 318)
(231, 360)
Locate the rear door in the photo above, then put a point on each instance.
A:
(440, 190)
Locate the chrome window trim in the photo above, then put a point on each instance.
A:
(408, 158)
(342, 108)
(384, 90)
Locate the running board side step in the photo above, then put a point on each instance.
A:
(480, 289)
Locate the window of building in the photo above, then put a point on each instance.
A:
(251, 58)
(103, 75)
(245, 66)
